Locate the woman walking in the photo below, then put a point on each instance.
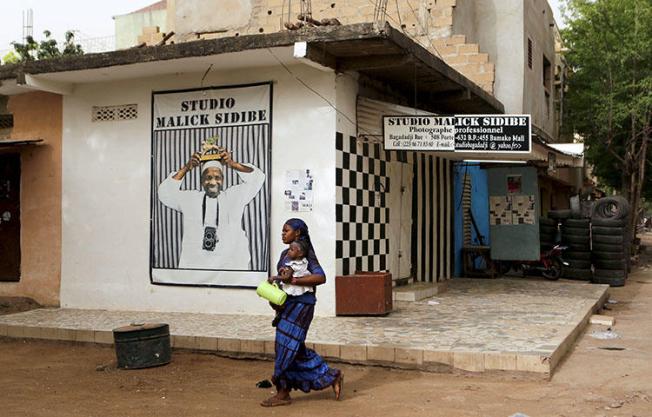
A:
(296, 366)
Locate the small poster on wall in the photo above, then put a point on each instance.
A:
(298, 190)
(511, 210)
(500, 210)
(514, 184)
(523, 209)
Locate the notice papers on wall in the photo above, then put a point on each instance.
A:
(505, 133)
(511, 210)
(298, 189)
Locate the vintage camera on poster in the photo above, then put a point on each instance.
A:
(210, 238)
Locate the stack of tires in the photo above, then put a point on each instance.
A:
(576, 234)
(610, 241)
(547, 232)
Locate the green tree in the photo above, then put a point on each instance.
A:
(10, 58)
(610, 89)
(26, 51)
(70, 47)
(46, 49)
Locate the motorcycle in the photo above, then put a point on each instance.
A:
(549, 264)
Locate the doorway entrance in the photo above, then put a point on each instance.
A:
(400, 221)
(420, 203)
(10, 217)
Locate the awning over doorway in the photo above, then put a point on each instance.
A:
(18, 143)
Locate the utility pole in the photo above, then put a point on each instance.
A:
(28, 24)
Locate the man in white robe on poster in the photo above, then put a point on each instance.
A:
(213, 237)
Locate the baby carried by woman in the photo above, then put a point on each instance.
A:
(295, 267)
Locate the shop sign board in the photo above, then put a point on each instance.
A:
(504, 133)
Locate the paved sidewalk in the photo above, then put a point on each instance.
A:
(478, 325)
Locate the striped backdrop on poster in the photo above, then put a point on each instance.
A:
(171, 150)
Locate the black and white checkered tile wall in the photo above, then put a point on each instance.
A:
(362, 212)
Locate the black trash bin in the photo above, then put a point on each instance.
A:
(142, 345)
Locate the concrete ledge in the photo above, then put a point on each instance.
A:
(381, 354)
(575, 331)
(387, 342)
(400, 357)
(104, 337)
(500, 361)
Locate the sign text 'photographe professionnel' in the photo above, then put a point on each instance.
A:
(505, 133)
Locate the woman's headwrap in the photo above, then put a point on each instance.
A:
(302, 227)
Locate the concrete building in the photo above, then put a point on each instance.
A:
(519, 38)
(524, 45)
(329, 87)
(507, 47)
(30, 202)
(430, 25)
(129, 27)
(362, 202)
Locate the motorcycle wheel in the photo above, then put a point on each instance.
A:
(554, 272)
(503, 267)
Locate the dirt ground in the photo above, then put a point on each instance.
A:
(10, 305)
(40, 378)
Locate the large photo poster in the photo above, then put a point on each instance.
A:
(211, 171)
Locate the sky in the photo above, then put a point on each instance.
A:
(555, 4)
(91, 18)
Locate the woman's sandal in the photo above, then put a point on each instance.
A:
(338, 386)
(275, 402)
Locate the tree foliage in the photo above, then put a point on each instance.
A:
(609, 102)
(10, 58)
(47, 48)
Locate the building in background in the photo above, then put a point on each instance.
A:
(30, 195)
(129, 27)
(519, 37)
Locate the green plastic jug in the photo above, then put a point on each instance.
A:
(271, 293)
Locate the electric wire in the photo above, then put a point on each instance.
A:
(387, 16)
(201, 83)
(425, 31)
(317, 93)
(400, 25)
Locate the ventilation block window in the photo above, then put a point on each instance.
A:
(6, 121)
(114, 113)
(529, 53)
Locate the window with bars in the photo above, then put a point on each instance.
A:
(114, 113)
(547, 84)
(547, 74)
(6, 121)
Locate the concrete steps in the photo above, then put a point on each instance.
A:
(417, 291)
